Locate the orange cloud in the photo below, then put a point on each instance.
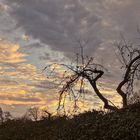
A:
(9, 53)
(19, 78)
(23, 84)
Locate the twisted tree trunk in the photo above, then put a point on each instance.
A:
(125, 80)
(99, 94)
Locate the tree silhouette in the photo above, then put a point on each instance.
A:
(5, 116)
(84, 70)
(34, 113)
(76, 75)
(1, 116)
(130, 59)
(46, 114)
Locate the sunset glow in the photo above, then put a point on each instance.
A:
(37, 33)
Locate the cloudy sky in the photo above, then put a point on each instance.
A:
(34, 33)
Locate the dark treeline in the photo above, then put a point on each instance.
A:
(123, 124)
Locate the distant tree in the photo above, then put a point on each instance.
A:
(34, 113)
(24, 118)
(7, 116)
(46, 114)
(135, 98)
(4, 116)
(1, 116)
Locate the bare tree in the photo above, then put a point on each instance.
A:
(1, 116)
(129, 56)
(135, 98)
(46, 114)
(73, 81)
(84, 70)
(34, 113)
(7, 116)
(26, 117)
(4, 116)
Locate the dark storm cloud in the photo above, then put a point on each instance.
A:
(46, 56)
(57, 23)
(34, 45)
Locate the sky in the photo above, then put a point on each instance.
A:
(35, 33)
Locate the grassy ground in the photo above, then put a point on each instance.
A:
(96, 125)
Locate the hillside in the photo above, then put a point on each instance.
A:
(96, 125)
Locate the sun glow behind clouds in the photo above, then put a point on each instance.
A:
(9, 54)
(22, 84)
(18, 79)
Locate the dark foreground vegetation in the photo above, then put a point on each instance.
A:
(123, 124)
